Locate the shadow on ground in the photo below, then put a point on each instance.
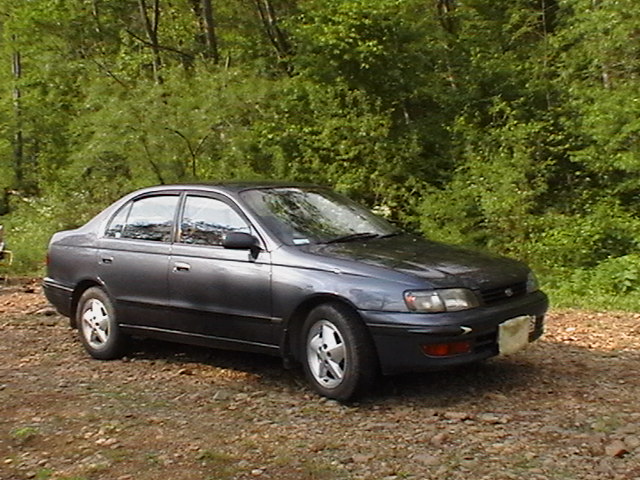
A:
(547, 368)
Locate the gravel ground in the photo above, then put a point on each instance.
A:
(565, 408)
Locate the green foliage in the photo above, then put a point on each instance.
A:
(334, 136)
(32, 221)
(380, 47)
(495, 191)
(44, 474)
(23, 435)
(613, 284)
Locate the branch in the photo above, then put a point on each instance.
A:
(186, 140)
(193, 152)
(155, 167)
(110, 73)
(200, 143)
(161, 47)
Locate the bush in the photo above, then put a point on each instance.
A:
(31, 223)
(613, 284)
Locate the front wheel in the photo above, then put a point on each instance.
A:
(96, 321)
(339, 358)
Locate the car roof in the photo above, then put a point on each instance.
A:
(231, 186)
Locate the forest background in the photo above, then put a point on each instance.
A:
(512, 126)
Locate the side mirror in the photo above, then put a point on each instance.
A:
(240, 241)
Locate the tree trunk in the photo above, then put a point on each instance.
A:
(210, 31)
(151, 29)
(445, 13)
(18, 141)
(95, 12)
(274, 33)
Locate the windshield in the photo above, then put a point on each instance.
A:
(299, 216)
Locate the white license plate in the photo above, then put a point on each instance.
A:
(513, 334)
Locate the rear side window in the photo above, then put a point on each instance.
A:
(206, 221)
(116, 225)
(149, 218)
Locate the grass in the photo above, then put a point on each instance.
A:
(606, 424)
(585, 293)
(44, 474)
(23, 435)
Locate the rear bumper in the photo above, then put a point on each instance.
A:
(59, 295)
(399, 337)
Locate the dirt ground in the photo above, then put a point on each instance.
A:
(568, 407)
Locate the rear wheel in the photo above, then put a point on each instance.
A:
(339, 359)
(96, 321)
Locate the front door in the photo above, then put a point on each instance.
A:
(218, 293)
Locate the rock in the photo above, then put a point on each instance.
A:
(632, 442)
(107, 442)
(496, 397)
(594, 445)
(439, 439)
(426, 459)
(617, 449)
(493, 418)
(96, 462)
(604, 468)
(362, 458)
(627, 429)
(457, 416)
(221, 395)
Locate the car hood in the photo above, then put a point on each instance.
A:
(427, 259)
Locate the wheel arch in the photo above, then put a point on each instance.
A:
(81, 287)
(292, 338)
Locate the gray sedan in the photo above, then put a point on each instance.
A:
(291, 270)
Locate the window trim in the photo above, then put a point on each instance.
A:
(214, 196)
(129, 204)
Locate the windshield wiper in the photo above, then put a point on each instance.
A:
(353, 236)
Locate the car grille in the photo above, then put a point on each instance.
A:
(504, 293)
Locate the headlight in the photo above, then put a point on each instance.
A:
(447, 300)
(532, 283)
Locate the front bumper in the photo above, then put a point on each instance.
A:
(399, 336)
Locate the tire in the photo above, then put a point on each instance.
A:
(338, 356)
(97, 326)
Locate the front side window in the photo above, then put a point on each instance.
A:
(206, 221)
(149, 218)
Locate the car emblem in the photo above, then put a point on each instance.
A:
(465, 330)
(508, 292)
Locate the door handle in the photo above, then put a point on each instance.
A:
(107, 260)
(181, 267)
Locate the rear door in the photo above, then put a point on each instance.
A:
(133, 259)
(218, 293)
